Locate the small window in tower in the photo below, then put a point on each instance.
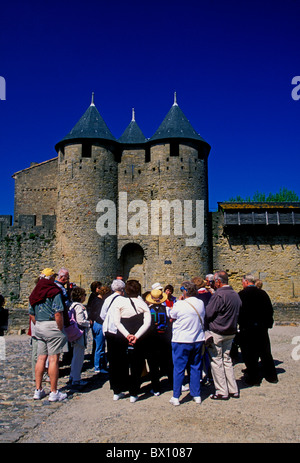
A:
(86, 150)
(62, 154)
(174, 149)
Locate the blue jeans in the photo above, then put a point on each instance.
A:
(99, 356)
(186, 354)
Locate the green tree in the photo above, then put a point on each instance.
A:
(284, 195)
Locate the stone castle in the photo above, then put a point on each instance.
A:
(138, 206)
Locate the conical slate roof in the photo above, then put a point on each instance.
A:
(176, 125)
(90, 125)
(133, 134)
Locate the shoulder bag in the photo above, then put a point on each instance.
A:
(133, 324)
(73, 331)
(208, 336)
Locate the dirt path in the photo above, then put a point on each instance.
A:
(269, 413)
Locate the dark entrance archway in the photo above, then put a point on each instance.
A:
(132, 263)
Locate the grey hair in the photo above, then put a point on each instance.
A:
(249, 277)
(222, 276)
(118, 285)
(191, 288)
(62, 271)
(42, 276)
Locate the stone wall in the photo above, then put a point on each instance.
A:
(176, 178)
(24, 252)
(36, 190)
(83, 182)
(72, 186)
(271, 254)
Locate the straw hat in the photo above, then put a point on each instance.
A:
(156, 297)
(48, 272)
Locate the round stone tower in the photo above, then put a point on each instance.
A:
(132, 241)
(169, 237)
(87, 174)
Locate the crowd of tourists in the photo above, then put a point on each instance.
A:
(189, 340)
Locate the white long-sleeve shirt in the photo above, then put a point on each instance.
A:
(124, 309)
(186, 326)
(107, 312)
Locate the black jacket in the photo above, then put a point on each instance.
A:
(256, 310)
(94, 307)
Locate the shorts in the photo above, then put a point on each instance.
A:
(50, 340)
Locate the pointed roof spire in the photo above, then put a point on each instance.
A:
(92, 102)
(175, 99)
(90, 126)
(176, 125)
(133, 134)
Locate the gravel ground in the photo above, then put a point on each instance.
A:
(265, 414)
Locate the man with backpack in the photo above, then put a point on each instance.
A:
(158, 341)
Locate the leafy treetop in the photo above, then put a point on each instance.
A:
(284, 195)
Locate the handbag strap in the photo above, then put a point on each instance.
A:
(72, 309)
(112, 301)
(196, 313)
(133, 305)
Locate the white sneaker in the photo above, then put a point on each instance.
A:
(133, 399)
(174, 401)
(185, 388)
(154, 393)
(197, 400)
(57, 396)
(39, 394)
(118, 396)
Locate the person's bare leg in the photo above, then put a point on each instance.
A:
(39, 370)
(53, 371)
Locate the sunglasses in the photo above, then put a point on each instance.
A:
(182, 288)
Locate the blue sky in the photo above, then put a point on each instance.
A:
(230, 62)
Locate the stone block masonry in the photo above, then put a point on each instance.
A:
(272, 255)
(56, 216)
(36, 190)
(24, 251)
